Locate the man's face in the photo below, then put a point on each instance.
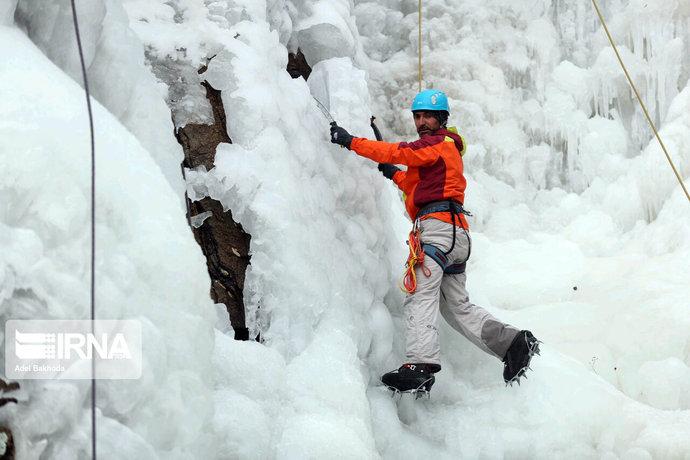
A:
(425, 123)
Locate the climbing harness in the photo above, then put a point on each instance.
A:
(419, 250)
(443, 206)
(437, 254)
(639, 99)
(441, 258)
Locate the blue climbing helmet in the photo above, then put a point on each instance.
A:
(430, 99)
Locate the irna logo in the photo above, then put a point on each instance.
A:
(73, 349)
(33, 345)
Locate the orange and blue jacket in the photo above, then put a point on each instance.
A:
(434, 169)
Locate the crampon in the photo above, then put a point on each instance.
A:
(519, 356)
(411, 378)
(424, 390)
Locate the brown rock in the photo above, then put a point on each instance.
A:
(297, 65)
(223, 241)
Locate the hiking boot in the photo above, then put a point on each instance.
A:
(411, 376)
(518, 357)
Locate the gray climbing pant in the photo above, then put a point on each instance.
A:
(446, 294)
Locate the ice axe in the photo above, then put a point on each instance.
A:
(321, 88)
(332, 122)
(326, 93)
(325, 112)
(377, 133)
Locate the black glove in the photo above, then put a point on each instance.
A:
(388, 170)
(340, 136)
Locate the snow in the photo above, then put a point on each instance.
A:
(327, 32)
(7, 9)
(118, 77)
(580, 234)
(45, 261)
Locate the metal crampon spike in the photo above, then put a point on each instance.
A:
(394, 392)
(420, 394)
(536, 350)
(422, 387)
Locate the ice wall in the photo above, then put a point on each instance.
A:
(322, 253)
(118, 76)
(320, 228)
(567, 190)
(44, 270)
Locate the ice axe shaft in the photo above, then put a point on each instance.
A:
(377, 133)
(325, 112)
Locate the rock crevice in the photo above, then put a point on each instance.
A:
(223, 241)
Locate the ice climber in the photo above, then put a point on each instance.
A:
(434, 188)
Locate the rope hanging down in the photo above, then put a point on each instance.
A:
(637, 94)
(419, 41)
(416, 257)
(93, 228)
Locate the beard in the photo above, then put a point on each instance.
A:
(423, 131)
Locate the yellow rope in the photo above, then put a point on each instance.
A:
(637, 94)
(419, 40)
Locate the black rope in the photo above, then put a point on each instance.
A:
(93, 228)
